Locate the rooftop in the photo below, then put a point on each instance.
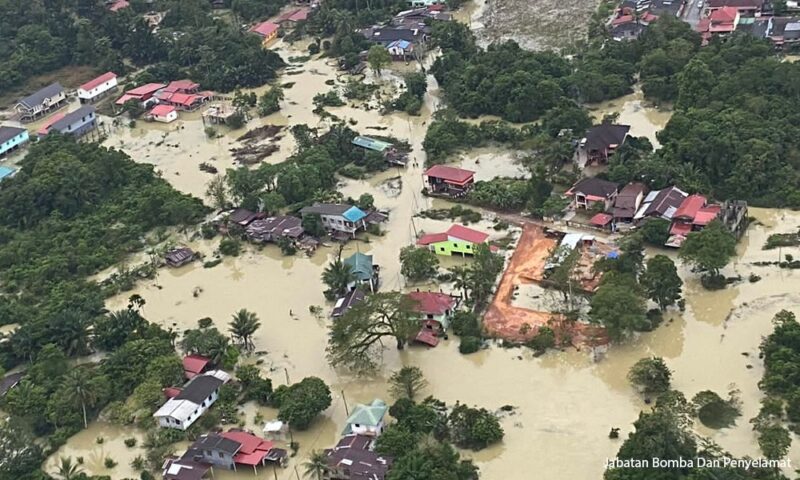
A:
(371, 143)
(368, 415)
(37, 98)
(606, 135)
(345, 303)
(265, 29)
(73, 117)
(450, 174)
(194, 365)
(6, 172)
(434, 303)
(595, 187)
(361, 265)
(349, 212)
(7, 133)
(162, 110)
(94, 83)
(199, 388)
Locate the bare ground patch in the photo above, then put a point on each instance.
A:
(536, 24)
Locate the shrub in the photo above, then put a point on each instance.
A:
(469, 345)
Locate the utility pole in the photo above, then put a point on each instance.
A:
(346, 409)
(286, 371)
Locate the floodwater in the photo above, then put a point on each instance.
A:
(644, 119)
(563, 400)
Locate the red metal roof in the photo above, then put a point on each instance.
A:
(171, 392)
(119, 5)
(432, 238)
(182, 85)
(265, 29)
(162, 111)
(98, 81)
(468, 234)
(706, 215)
(253, 449)
(622, 19)
(690, 206)
(680, 228)
(724, 15)
(49, 123)
(124, 98)
(434, 303)
(194, 365)
(450, 174)
(427, 337)
(601, 219)
(146, 89)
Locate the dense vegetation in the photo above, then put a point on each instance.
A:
(39, 37)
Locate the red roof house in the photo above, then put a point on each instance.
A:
(457, 239)
(689, 207)
(142, 93)
(163, 113)
(45, 128)
(253, 450)
(693, 214)
(448, 180)
(194, 365)
(433, 303)
(268, 30)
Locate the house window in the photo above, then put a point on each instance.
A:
(430, 316)
(441, 249)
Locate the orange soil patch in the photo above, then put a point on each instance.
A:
(506, 321)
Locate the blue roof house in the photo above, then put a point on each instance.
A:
(6, 172)
(367, 419)
(339, 219)
(12, 138)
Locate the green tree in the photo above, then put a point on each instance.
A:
(618, 306)
(312, 224)
(655, 231)
(242, 327)
(650, 375)
(564, 278)
(417, 264)
(79, 390)
(355, 339)
(217, 192)
(337, 276)
(366, 202)
(22, 455)
(270, 101)
(67, 470)
(407, 382)
(378, 57)
(661, 282)
(300, 403)
(710, 249)
(474, 428)
(316, 466)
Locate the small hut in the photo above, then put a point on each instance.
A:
(179, 257)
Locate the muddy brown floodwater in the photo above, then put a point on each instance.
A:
(566, 403)
(644, 119)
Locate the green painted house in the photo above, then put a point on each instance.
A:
(458, 239)
(367, 419)
(364, 270)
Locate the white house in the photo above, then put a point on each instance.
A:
(98, 88)
(336, 217)
(164, 113)
(197, 396)
(367, 419)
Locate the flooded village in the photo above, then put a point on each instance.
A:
(556, 408)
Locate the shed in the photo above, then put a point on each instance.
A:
(371, 144)
(179, 257)
(164, 113)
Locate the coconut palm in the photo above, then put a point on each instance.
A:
(316, 465)
(461, 279)
(67, 470)
(78, 389)
(337, 275)
(243, 326)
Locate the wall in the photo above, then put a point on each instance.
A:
(14, 142)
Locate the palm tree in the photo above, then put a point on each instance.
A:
(243, 326)
(461, 279)
(79, 390)
(337, 276)
(316, 465)
(68, 470)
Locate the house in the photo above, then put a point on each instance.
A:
(661, 204)
(184, 95)
(387, 35)
(194, 365)
(367, 419)
(390, 153)
(184, 469)
(591, 191)
(40, 103)
(10, 381)
(353, 459)
(601, 141)
(402, 50)
(446, 180)
(267, 30)
(420, 17)
(627, 31)
(628, 202)
(457, 239)
(745, 8)
(95, 89)
(272, 229)
(291, 18)
(235, 448)
(340, 219)
(345, 303)
(365, 272)
(76, 123)
(6, 172)
(144, 95)
(163, 113)
(722, 21)
(11, 139)
(196, 397)
(693, 214)
(435, 308)
(178, 257)
(783, 32)
(243, 217)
